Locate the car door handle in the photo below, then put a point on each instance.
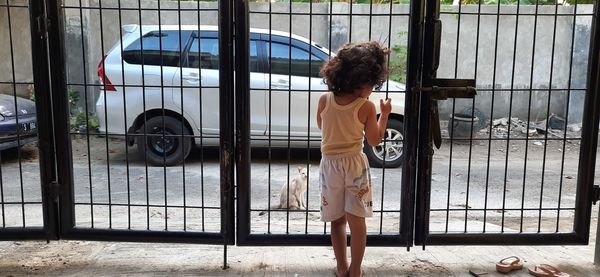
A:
(192, 79)
(280, 84)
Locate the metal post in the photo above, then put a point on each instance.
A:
(411, 120)
(242, 119)
(60, 114)
(589, 143)
(41, 77)
(589, 140)
(226, 122)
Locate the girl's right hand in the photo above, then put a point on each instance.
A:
(386, 107)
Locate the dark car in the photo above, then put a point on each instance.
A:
(17, 127)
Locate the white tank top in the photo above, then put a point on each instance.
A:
(341, 129)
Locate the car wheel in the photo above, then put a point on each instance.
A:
(392, 149)
(163, 143)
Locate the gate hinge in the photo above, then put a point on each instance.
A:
(595, 194)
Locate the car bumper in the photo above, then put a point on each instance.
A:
(7, 142)
(17, 132)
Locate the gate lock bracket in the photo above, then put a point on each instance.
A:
(442, 89)
(595, 194)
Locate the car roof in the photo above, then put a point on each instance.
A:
(147, 28)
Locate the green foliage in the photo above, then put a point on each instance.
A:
(73, 96)
(398, 61)
(80, 120)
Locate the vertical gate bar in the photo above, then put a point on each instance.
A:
(550, 91)
(120, 19)
(489, 154)
(371, 19)
(459, 15)
(512, 87)
(12, 61)
(425, 141)
(411, 115)
(329, 56)
(242, 119)
(310, 7)
(472, 122)
(100, 8)
(183, 138)
(201, 119)
(564, 139)
(162, 106)
(60, 112)
(535, 21)
(387, 90)
(589, 138)
(389, 44)
(226, 130)
(1, 176)
(270, 159)
(289, 123)
(144, 130)
(87, 134)
(41, 78)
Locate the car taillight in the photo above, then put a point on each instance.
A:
(108, 86)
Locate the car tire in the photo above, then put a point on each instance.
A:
(169, 149)
(395, 141)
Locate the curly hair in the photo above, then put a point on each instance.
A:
(356, 65)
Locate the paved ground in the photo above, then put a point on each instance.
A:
(473, 187)
(85, 258)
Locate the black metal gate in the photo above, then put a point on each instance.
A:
(516, 186)
(93, 187)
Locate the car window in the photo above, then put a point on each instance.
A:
(152, 43)
(299, 65)
(207, 57)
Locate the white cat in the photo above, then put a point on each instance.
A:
(297, 187)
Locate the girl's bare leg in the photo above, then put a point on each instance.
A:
(358, 242)
(339, 243)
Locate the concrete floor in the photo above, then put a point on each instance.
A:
(89, 258)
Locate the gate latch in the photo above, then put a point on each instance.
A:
(595, 194)
(442, 89)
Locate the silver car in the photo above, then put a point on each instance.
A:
(161, 86)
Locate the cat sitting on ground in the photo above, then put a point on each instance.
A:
(297, 187)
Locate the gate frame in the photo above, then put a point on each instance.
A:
(244, 234)
(41, 78)
(57, 174)
(63, 187)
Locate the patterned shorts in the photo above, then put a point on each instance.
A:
(345, 186)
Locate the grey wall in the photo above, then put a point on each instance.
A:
(15, 61)
(489, 55)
